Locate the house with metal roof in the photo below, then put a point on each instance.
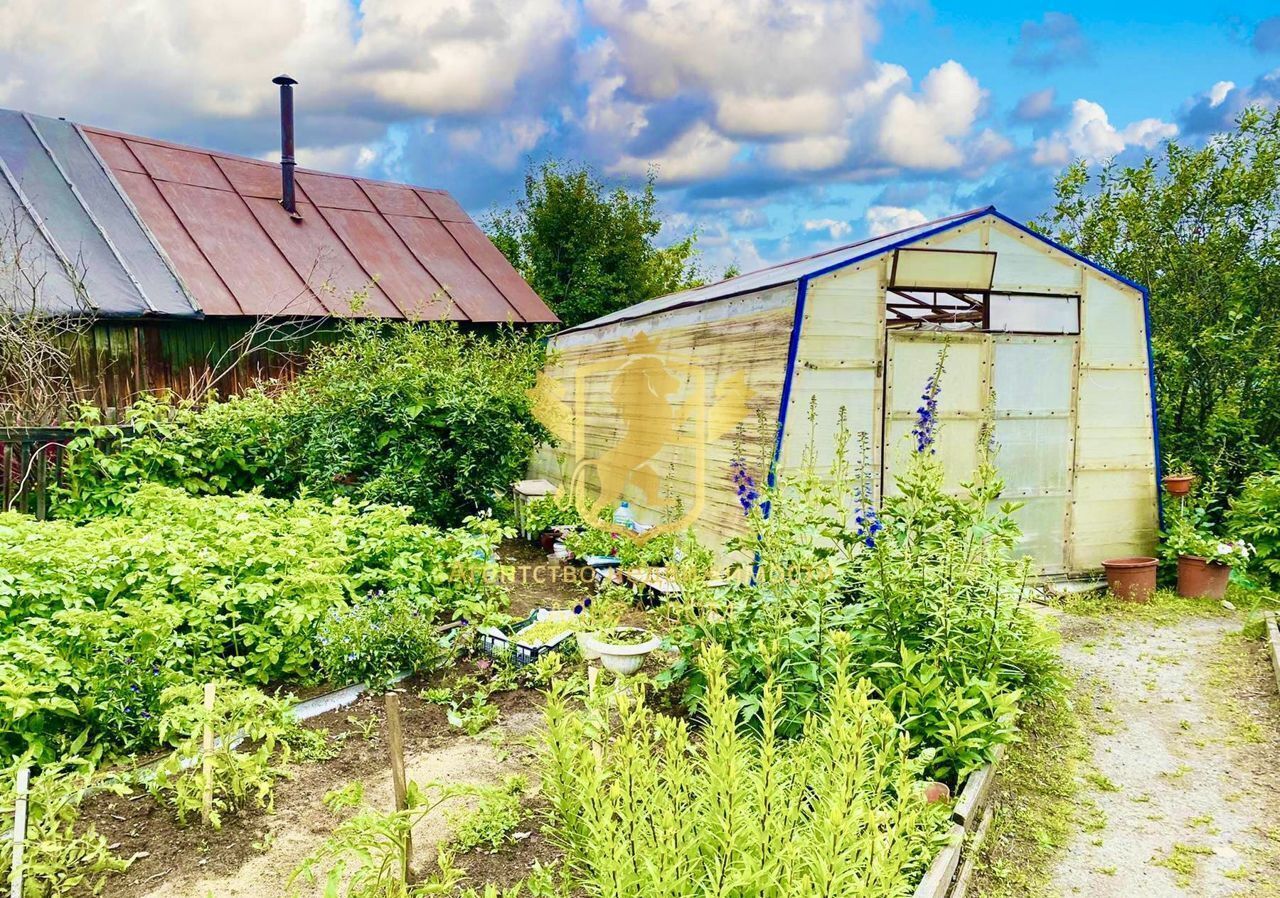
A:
(684, 404)
(176, 253)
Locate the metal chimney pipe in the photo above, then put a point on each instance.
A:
(286, 144)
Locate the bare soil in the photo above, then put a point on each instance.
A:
(1183, 794)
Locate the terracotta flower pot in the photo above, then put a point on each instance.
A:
(1132, 579)
(1178, 484)
(1200, 578)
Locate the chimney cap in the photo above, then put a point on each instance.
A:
(282, 80)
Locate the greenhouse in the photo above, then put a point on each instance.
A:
(664, 398)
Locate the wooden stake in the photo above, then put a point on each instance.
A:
(206, 807)
(19, 829)
(395, 747)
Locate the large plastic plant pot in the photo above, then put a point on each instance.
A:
(1131, 579)
(1200, 578)
(623, 660)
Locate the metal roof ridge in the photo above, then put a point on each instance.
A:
(137, 216)
(239, 157)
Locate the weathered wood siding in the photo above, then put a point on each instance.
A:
(114, 362)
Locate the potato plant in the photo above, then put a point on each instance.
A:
(98, 620)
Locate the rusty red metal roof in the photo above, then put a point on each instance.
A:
(408, 252)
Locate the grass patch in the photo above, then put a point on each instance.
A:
(1035, 798)
(1167, 607)
(1183, 860)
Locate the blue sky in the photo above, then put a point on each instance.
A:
(775, 128)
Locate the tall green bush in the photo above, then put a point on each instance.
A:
(426, 416)
(1255, 518)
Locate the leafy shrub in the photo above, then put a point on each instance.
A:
(1255, 518)
(377, 638)
(490, 823)
(642, 809)
(241, 718)
(96, 621)
(61, 856)
(420, 415)
(928, 587)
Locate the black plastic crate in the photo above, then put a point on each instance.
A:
(495, 641)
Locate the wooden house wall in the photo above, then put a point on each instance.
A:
(114, 362)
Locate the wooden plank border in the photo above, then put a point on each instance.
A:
(970, 815)
(1273, 640)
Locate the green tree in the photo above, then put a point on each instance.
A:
(587, 248)
(1199, 227)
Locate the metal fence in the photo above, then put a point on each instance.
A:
(32, 464)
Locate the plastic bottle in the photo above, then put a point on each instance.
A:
(623, 517)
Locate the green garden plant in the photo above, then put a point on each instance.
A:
(642, 809)
(62, 855)
(423, 415)
(376, 638)
(365, 855)
(928, 587)
(251, 733)
(1255, 518)
(97, 620)
(491, 822)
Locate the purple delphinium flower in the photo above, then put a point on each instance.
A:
(748, 494)
(927, 417)
(867, 525)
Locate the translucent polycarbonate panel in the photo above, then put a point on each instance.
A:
(1114, 325)
(1043, 522)
(1034, 314)
(1113, 516)
(837, 365)
(1034, 455)
(1025, 264)
(956, 446)
(912, 362)
(1115, 419)
(1034, 375)
(940, 269)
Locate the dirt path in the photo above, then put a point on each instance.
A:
(1183, 795)
(291, 835)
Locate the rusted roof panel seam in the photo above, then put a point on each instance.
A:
(306, 283)
(407, 248)
(182, 224)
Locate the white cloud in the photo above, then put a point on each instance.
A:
(885, 219)
(834, 227)
(755, 59)
(158, 67)
(919, 131)
(1090, 136)
(809, 153)
(699, 152)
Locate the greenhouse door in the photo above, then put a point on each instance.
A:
(1029, 383)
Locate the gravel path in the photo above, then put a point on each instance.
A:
(1183, 798)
